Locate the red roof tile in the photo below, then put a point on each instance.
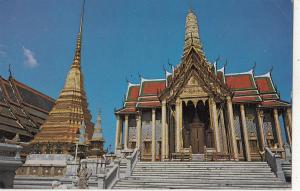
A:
(149, 104)
(240, 82)
(152, 87)
(133, 92)
(264, 85)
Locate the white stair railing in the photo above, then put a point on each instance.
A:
(274, 162)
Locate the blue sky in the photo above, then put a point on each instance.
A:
(124, 38)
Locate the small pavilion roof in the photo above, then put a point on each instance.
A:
(149, 90)
(265, 83)
(151, 86)
(243, 85)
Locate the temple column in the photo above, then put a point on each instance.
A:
(126, 133)
(245, 132)
(288, 125)
(167, 141)
(139, 131)
(260, 118)
(153, 153)
(224, 137)
(214, 118)
(163, 129)
(277, 127)
(178, 125)
(118, 130)
(231, 128)
(287, 128)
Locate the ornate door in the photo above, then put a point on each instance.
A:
(197, 137)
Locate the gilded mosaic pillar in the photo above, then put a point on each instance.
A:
(277, 128)
(245, 132)
(223, 132)
(153, 153)
(178, 125)
(163, 129)
(231, 128)
(215, 125)
(139, 131)
(118, 129)
(126, 133)
(288, 125)
(167, 141)
(260, 118)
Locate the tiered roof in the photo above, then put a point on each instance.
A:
(243, 87)
(268, 92)
(22, 108)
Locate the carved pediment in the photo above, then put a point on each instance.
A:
(193, 89)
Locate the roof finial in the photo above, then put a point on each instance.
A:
(225, 63)
(81, 18)
(218, 58)
(9, 70)
(127, 81)
(140, 75)
(271, 69)
(77, 56)
(191, 5)
(254, 65)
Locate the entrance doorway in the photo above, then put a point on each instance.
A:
(196, 127)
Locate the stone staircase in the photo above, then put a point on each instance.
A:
(201, 175)
(30, 182)
(287, 170)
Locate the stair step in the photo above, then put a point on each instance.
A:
(202, 175)
(201, 178)
(196, 181)
(201, 186)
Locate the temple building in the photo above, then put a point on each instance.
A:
(200, 107)
(59, 132)
(22, 110)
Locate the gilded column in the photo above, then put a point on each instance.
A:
(287, 128)
(118, 129)
(278, 128)
(153, 153)
(290, 123)
(126, 133)
(139, 131)
(225, 149)
(260, 118)
(232, 129)
(167, 141)
(214, 118)
(178, 125)
(163, 129)
(245, 132)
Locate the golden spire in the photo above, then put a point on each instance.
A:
(192, 37)
(77, 56)
(71, 107)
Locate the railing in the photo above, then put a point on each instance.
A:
(132, 160)
(108, 180)
(274, 162)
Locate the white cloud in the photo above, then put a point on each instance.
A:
(30, 59)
